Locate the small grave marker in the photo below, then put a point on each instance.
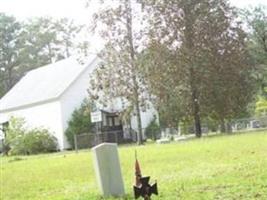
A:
(108, 170)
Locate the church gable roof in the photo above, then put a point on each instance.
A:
(45, 83)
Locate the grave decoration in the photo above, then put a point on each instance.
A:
(142, 188)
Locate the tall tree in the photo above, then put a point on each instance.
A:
(230, 84)
(120, 76)
(67, 32)
(40, 39)
(164, 83)
(10, 31)
(48, 40)
(256, 18)
(205, 39)
(33, 43)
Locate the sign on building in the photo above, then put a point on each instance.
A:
(96, 116)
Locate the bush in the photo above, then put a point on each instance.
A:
(80, 122)
(152, 131)
(39, 141)
(23, 141)
(261, 106)
(14, 134)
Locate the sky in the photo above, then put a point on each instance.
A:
(74, 9)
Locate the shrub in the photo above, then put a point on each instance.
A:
(152, 131)
(23, 141)
(14, 134)
(261, 106)
(79, 123)
(39, 140)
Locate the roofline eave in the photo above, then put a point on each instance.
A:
(30, 105)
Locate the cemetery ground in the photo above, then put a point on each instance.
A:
(219, 167)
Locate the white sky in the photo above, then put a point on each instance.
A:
(75, 9)
(71, 8)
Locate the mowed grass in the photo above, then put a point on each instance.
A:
(221, 167)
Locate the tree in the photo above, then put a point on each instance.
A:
(41, 41)
(25, 46)
(205, 39)
(152, 131)
(230, 85)
(80, 122)
(67, 32)
(261, 106)
(33, 43)
(48, 40)
(10, 30)
(158, 68)
(120, 77)
(256, 19)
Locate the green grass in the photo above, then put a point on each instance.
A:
(223, 167)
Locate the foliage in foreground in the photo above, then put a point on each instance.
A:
(25, 141)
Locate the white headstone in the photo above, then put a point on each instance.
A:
(108, 170)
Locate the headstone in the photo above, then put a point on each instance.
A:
(163, 134)
(180, 138)
(254, 124)
(108, 170)
(163, 141)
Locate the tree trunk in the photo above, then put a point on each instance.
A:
(139, 123)
(189, 37)
(133, 66)
(198, 126)
(222, 126)
(50, 52)
(229, 127)
(9, 80)
(67, 49)
(197, 118)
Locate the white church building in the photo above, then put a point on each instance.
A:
(47, 96)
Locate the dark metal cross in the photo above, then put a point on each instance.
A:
(145, 190)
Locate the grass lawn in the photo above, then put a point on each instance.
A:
(221, 167)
